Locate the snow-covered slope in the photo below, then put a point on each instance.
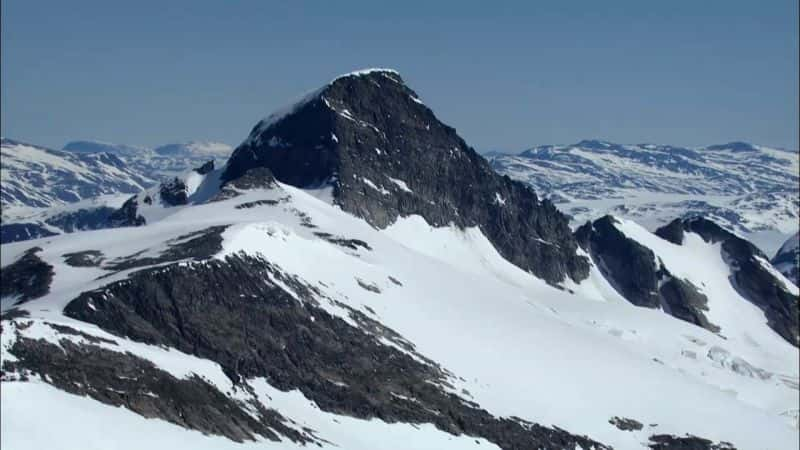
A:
(161, 162)
(531, 351)
(34, 176)
(746, 188)
(698, 272)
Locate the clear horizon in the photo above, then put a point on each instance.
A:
(506, 77)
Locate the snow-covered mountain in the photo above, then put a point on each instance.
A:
(356, 276)
(34, 176)
(47, 192)
(748, 189)
(161, 162)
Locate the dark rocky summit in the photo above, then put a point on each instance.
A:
(635, 272)
(751, 275)
(386, 155)
(26, 278)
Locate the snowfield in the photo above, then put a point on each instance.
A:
(571, 358)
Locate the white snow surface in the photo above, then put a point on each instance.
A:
(518, 346)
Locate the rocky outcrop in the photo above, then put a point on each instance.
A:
(27, 278)
(122, 379)
(173, 192)
(127, 215)
(787, 259)
(688, 442)
(752, 274)
(85, 258)
(15, 232)
(385, 155)
(638, 275)
(232, 313)
(197, 245)
(625, 424)
(254, 178)
(206, 168)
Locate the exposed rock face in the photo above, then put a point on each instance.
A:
(82, 219)
(122, 379)
(635, 272)
(174, 192)
(230, 312)
(386, 155)
(629, 265)
(625, 424)
(26, 278)
(688, 442)
(15, 232)
(197, 245)
(787, 259)
(127, 215)
(86, 258)
(205, 168)
(255, 178)
(751, 274)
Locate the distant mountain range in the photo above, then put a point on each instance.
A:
(34, 176)
(747, 188)
(160, 162)
(47, 192)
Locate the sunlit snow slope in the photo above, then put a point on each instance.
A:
(506, 340)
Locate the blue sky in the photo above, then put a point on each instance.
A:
(506, 76)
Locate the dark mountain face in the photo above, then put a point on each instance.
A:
(787, 260)
(635, 272)
(750, 273)
(385, 155)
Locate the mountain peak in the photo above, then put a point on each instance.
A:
(355, 84)
(384, 155)
(374, 71)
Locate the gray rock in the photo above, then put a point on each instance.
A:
(634, 271)
(26, 278)
(749, 275)
(386, 155)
